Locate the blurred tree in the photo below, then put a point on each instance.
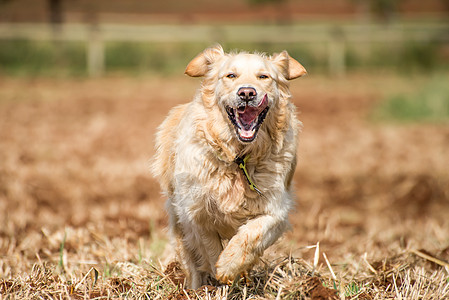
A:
(3, 2)
(55, 12)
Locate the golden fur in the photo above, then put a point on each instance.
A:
(219, 224)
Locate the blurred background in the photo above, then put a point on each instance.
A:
(84, 85)
(80, 37)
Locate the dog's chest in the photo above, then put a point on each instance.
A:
(228, 203)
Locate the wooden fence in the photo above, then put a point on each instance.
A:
(337, 37)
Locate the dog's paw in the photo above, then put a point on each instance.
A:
(233, 261)
(229, 265)
(225, 274)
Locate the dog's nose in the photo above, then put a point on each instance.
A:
(247, 93)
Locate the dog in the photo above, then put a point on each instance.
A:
(226, 161)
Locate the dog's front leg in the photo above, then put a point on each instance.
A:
(247, 245)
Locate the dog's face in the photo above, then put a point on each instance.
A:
(245, 86)
(246, 89)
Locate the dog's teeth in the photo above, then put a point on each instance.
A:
(247, 134)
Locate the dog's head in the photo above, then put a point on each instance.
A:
(244, 86)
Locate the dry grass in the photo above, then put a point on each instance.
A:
(80, 216)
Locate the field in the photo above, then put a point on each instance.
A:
(81, 216)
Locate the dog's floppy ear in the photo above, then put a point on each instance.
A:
(199, 66)
(288, 65)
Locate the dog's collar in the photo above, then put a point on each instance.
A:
(241, 162)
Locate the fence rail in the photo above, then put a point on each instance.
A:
(336, 36)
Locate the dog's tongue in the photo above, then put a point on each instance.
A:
(247, 114)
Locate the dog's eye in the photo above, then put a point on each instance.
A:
(263, 76)
(231, 75)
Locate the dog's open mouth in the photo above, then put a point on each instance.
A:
(247, 119)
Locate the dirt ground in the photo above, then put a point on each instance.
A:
(76, 192)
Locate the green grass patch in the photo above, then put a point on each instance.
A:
(24, 57)
(141, 57)
(430, 103)
(352, 289)
(61, 253)
(64, 58)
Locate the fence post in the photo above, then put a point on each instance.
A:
(95, 53)
(337, 51)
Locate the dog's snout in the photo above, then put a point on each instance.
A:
(247, 93)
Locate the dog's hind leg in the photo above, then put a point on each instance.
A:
(188, 258)
(184, 254)
(201, 250)
(212, 247)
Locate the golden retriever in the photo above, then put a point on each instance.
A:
(226, 162)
